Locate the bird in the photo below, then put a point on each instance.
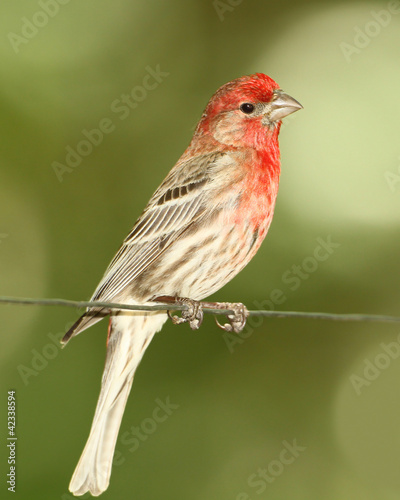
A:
(201, 227)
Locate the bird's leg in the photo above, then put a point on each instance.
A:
(192, 315)
(194, 312)
(237, 320)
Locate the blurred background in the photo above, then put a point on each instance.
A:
(98, 100)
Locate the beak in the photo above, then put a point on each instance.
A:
(282, 105)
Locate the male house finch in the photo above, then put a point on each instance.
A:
(200, 228)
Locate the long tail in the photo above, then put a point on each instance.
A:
(129, 336)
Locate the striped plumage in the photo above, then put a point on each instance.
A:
(200, 228)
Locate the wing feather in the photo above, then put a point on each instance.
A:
(177, 203)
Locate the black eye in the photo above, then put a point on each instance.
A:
(247, 108)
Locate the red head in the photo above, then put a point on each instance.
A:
(246, 112)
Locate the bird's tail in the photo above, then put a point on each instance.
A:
(129, 336)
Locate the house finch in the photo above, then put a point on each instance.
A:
(200, 228)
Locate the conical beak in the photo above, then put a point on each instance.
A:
(282, 105)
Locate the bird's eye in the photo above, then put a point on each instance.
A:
(247, 108)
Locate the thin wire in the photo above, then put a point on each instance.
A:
(175, 307)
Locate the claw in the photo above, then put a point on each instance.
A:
(194, 312)
(192, 315)
(237, 320)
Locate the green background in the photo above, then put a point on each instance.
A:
(284, 380)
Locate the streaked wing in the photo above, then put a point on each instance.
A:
(176, 204)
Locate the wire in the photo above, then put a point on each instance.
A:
(175, 307)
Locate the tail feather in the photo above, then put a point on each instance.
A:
(85, 321)
(129, 336)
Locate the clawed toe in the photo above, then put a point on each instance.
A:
(237, 320)
(194, 312)
(192, 315)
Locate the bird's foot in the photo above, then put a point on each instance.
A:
(194, 312)
(192, 315)
(237, 320)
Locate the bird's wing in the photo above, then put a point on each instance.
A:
(176, 204)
